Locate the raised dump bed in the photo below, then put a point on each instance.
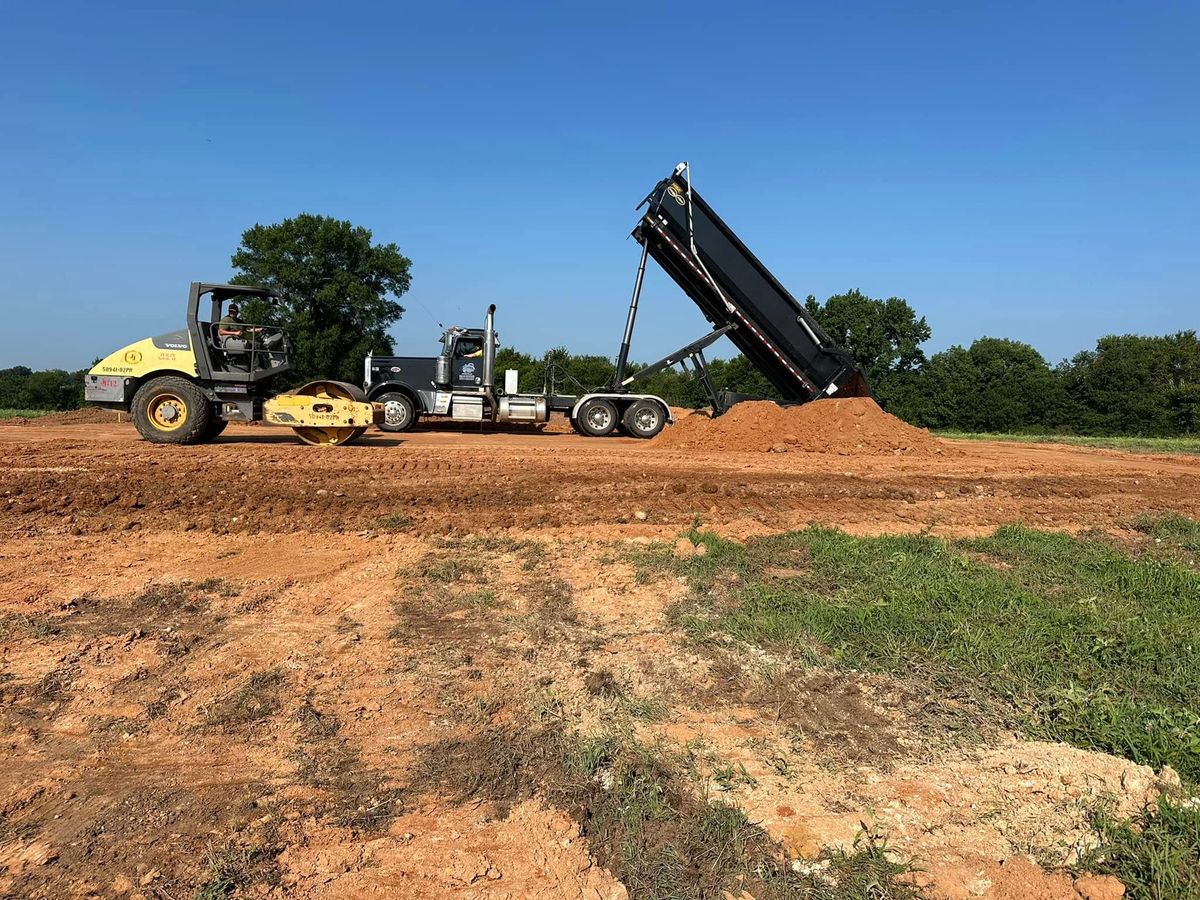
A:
(733, 288)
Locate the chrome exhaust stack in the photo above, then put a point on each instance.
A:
(489, 351)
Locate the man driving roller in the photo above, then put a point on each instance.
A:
(231, 325)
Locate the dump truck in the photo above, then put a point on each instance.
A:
(459, 385)
(736, 293)
(185, 386)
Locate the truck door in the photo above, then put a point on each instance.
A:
(467, 365)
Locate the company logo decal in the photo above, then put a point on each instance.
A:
(133, 357)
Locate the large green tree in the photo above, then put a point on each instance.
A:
(994, 385)
(340, 290)
(1133, 384)
(884, 336)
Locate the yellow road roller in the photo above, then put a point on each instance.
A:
(184, 387)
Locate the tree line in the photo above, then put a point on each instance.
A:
(1127, 384)
(48, 389)
(341, 295)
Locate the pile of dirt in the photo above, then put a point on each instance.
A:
(90, 415)
(854, 425)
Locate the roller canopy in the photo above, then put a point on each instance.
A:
(702, 254)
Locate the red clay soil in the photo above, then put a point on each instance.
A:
(854, 425)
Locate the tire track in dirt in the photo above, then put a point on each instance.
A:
(441, 483)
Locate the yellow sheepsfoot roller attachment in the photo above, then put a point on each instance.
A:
(325, 413)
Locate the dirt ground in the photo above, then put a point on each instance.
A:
(228, 667)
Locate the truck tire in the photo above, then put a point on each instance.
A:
(644, 419)
(171, 410)
(399, 412)
(596, 418)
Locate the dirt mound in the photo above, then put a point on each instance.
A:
(87, 416)
(853, 425)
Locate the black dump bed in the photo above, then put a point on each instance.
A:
(731, 286)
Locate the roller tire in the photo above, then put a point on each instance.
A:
(597, 418)
(644, 419)
(400, 407)
(160, 402)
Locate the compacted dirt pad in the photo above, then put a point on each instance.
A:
(236, 668)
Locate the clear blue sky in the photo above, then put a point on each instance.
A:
(1024, 170)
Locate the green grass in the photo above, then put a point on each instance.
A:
(1173, 532)
(1072, 639)
(1076, 639)
(1132, 444)
(1155, 855)
(664, 842)
(396, 521)
(24, 413)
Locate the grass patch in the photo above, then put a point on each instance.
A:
(1173, 532)
(645, 822)
(484, 598)
(24, 413)
(447, 570)
(1076, 639)
(182, 596)
(254, 701)
(231, 868)
(1131, 444)
(395, 521)
(1156, 855)
(14, 625)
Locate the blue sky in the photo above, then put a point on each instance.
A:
(1024, 170)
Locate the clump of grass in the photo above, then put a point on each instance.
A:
(1156, 854)
(484, 598)
(649, 709)
(533, 554)
(256, 700)
(450, 569)
(183, 596)
(233, 866)
(15, 625)
(728, 777)
(396, 521)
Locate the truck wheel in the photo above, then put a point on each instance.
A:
(399, 413)
(597, 417)
(644, 419)
(171, 410)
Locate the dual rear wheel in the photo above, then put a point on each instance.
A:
(598, 417)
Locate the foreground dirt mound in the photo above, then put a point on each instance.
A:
(88, 416)
(847, 426)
